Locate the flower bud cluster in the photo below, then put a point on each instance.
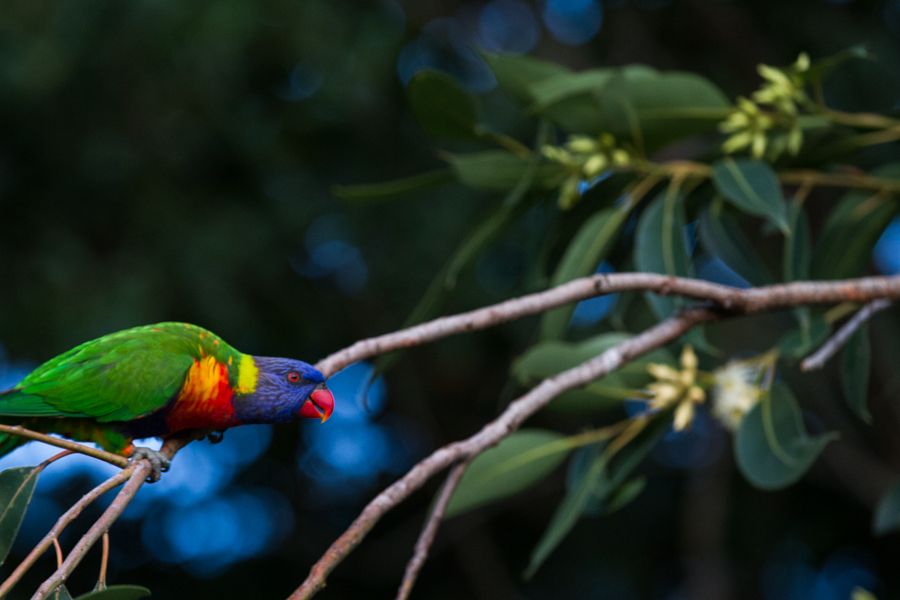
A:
(768, 123)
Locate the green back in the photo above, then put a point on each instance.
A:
(118, 377)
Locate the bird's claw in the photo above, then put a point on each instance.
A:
(215, 437)
(158, 462)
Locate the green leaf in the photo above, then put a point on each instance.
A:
(722, 236)
(589, 246)
(659, 245)
(753, 187)
(16, 490)
(500, 170)
(772, 447)
(516, 463)
(797, 246)
(806, 337)
(626, 494)
(887, 515)
(845, 246)
(651, 107)
(517, 74)
(856, 360)
(442, 107)
(389, 190)
(117, 592)
(546, 359)
(549, 92)
(599, 482)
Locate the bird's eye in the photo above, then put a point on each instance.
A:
(293, 377)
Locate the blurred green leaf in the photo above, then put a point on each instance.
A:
(550, 91)
(546, 359)
(517, 74)
(500, 170)
(812, 330)
(753, 187)
(662, 107)
(722, 236)
(516, 463)
(599, 481)
(589, 246)
(659, 245)
(845, 245)
(856, 361)
(389, 190)
(887, 515)
(797, 245)
(117, 592)
(441, 106)
(16, 490)
(625, 495)
(772, 447)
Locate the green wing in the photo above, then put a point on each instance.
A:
(118, 377)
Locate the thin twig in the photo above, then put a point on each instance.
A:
(104, 562)
(137, 476)
(818, 359)
(426, 538)
(61, 523)
(18, 430)
(59, 553)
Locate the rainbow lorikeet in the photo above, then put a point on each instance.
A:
(157, 381)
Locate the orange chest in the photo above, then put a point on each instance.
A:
(204, 401)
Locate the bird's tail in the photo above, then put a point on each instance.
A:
(8, 442)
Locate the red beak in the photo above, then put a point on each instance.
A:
(319, 405)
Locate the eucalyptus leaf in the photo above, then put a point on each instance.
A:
(516, 463)
(797, 246)
(441, 106)
(721, 236)
(117, 592)
(396, 188)
(517, 74)
(772, 447)
(659, 245)
(844, 248)
(500, 170)
(811, 332)
(753, 187)
(546, 359)
(590, 245)
(887, 515)
(661, 106)
(599, 482)
(16, 490)
(856, 362)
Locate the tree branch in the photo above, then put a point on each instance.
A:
(136, 476)
(727, 297)
(510, 420)
(19, 431)
(429, 531)
(831, 346)
(729, 301)
(61, 523)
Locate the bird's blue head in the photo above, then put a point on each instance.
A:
(284, 390)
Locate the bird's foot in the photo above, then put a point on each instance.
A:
(215, 437)
(159, 463)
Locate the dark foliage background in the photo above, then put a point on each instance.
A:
(172, 161)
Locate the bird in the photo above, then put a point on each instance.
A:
(159, 380)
